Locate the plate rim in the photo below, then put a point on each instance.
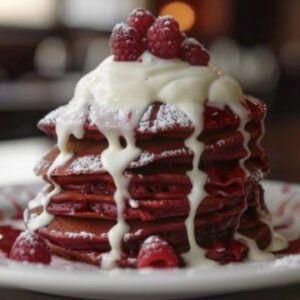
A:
(180, 283)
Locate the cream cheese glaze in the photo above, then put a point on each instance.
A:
(122, 91)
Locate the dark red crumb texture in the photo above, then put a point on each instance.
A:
(161, 36)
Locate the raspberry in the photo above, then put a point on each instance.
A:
(165, 37)
(156, 253)
(141, 19)
(30, 247)
(125, 43)
(194, 53)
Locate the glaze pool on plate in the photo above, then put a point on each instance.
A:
(80, 280)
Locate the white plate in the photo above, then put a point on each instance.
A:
(80, 280)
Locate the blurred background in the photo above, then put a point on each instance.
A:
(46, 46)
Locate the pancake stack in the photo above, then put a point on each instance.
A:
(158, 205)
(158, 160)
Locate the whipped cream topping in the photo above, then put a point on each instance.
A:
(135, 85)
(119, 93)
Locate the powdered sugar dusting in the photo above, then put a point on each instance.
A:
(91, 164)
(87, 164)
(110, 117)
(27, 238)
(168, 116)
(128, 236)
(152, 241)
(147, 158)
(81, 234)
(75, 235)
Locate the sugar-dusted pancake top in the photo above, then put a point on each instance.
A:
(165, 120)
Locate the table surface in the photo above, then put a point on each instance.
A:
(291, 292)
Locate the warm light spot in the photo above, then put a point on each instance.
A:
(182, 12)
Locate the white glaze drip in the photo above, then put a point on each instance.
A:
(278, 242)
(45, 218)
(254, 254)
(66, 125)
(37, 201)
(196, 254)
(115, 160)
(223, 91)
